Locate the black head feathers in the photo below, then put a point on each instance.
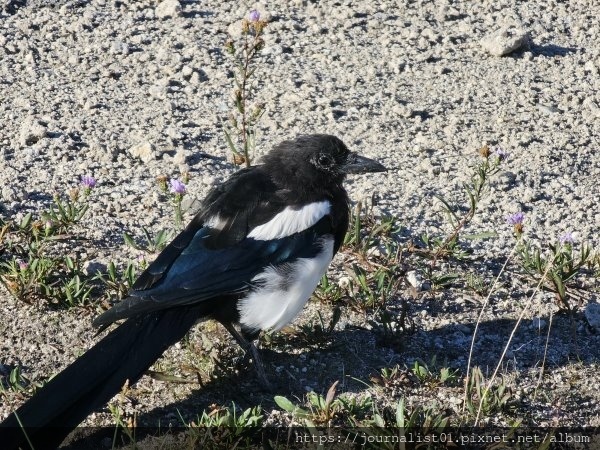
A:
(316, 160)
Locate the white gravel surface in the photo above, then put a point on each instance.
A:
(125, 91)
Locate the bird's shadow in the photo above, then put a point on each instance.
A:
(351, 356)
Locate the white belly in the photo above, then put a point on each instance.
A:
(286, 290)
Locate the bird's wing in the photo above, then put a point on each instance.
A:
(199, 273)
(223, 249)
(223, 221)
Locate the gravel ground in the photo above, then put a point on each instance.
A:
(125, 91)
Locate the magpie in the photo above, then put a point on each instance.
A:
(250, 259)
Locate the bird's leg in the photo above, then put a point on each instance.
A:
(248, 346)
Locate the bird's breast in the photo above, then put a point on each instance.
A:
(282, 290)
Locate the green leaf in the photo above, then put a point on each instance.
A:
(559, 286)
(284, 403)
(112, 271)
(444, 280)
(538, 260)
(61, 208)
(230, 143)
(129, 241)
(25, 221)
(400, 411)
(472, 200)
(69, 263)
(454, 218)
(147, 235)
(330, 394)
(337, 314)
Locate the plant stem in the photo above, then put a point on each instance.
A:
(178, 211)
(243, 100)
(475, 196)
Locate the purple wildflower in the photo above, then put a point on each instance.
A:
(254, 16)
(176, 186)
(515, 219)
(88, 182)
(501, 154)
(567, 238)
(23, 265)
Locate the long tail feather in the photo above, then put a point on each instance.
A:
(93, 379)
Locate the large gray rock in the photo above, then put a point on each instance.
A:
(505, 41)
(144, 151)
(32, 130)
(168, 8)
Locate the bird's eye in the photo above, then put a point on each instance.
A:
(324, 160)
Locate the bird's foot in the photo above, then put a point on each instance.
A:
(252, 350)
(260, 368)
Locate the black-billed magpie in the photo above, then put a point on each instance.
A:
(250, 258)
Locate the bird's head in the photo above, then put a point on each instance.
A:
(318, 159)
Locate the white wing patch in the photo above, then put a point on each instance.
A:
(290, 221)
(286, 290)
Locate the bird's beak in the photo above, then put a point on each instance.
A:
(359, 164)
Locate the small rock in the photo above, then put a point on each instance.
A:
(91, 268)
(32, 130)
(450, 13)
(14, 194)
(176, 134)
(547, 109)
(344, 282)
(592, 314)
(91, 103)
(506, 40)
(179, 157)
(119, 47)
(144, 150)
(187, 72)
(416, 280)
(592, 106)
(168, 8)
(234, 29)
(158, 90)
